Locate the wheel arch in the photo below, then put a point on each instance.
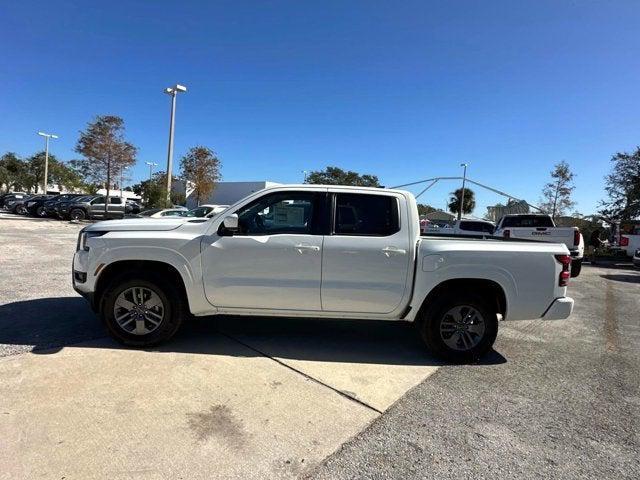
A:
(153, 267)
(482, 286)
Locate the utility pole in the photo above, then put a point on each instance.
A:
(122, 169)
(173, 91)
(47, 136)
(151, 165)
(464, 180)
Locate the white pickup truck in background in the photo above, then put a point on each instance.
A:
(541, 228)
(465, 227)
(630, 242)
(317, 251)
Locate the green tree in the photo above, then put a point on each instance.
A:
(623, 187)
(469, 201)
(337, 176)
(154, 191)
(201, 167)
(13, 172)
(556, 195)
(424, 209)
(105, 151)
(60, 174)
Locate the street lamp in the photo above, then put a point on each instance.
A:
(173, 91)
(151, 165)
(122, 169)
(47, 136)
(464, 179)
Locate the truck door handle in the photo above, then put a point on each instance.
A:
(388, 251)
(302, 247)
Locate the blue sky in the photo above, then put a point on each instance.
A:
(404, 90)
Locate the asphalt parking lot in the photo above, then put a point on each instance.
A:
(283, 398)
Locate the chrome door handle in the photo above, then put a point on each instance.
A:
(388, 251)
(301, 248)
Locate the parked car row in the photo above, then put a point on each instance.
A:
(69, 206)
(80, 206)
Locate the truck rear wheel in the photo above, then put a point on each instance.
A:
(576, 267)
(459, 328)
(140, 311)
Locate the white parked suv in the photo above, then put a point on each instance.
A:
(317, 251)
(541, 228)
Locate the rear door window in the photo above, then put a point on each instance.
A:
(366, 215)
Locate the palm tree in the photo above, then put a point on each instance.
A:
(469, 201)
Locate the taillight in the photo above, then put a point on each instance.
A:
(576, 237)
(624, 241)
(565, 274)
(506, 234)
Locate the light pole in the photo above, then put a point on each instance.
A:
(173, 91)
(151, 165)
(464, 179)
(122, 169)
(305, 174)
(47, 136)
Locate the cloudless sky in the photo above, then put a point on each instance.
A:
(401, 89)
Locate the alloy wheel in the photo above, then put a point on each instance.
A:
(138, 310)
(462, 327)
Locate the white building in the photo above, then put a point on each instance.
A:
(225, 193)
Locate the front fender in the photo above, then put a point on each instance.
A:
(190, 271)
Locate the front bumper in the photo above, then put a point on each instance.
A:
(560, 309)
(82, 281)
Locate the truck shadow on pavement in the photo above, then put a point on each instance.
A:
(627, 277)
(47, 325)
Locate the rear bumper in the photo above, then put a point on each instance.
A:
(560, 309)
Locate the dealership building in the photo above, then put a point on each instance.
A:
(225, 193)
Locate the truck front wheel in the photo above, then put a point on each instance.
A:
(459, 328)
(140, 311)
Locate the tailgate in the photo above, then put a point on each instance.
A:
(546, 234)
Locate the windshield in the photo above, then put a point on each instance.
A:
(533, 221)
(199, 212)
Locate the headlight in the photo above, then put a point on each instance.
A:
(638, 252)
(84, 237)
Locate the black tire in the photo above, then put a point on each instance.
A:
(21, 210)
(41, 211)
(77, 214)
(174, 309)
(576, 267)
(432, 316)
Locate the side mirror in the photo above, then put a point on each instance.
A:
(229, 225)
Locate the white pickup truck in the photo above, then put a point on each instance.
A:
(630, 242)
(317, 251)
(541, 228)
